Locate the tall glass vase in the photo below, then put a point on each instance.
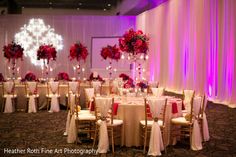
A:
(13, 69)
(136, 68)
(45, 70)
(109, 68)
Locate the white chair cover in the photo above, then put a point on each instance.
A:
(73, 87)
(156, 143)
(8, 104)
(196, 134)
(71, 138)
(97, 86)
(54, 100)
(71, 125)
(32, 105)
(90, 95)
(153, 84)
(104, 104)
(157, 91)
(188, 94)
(206, 136)
(68, 119)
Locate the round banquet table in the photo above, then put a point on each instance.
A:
(131, 111)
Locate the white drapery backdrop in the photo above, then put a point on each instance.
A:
(72, 29)
(192, 46)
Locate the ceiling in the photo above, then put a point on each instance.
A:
(125, 7)
(60, 4)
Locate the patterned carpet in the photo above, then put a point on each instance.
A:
(41, 134)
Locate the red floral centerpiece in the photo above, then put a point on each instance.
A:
(124, 77)
(30, 77)
(142, 85)
(63, 76)
(97, 78)
(13, 51)
(128, 81)
(134, 42)
(46, 52)
(78, 51)
(111, 52)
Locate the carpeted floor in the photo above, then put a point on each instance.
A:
(41, 134)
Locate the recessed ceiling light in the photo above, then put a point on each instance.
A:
(50, 3)
(108, 4)
(80, 3)
(77, 8)
(104, 9)
(22, 7)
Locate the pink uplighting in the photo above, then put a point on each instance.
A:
(205, 61)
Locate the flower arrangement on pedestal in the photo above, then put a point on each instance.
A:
(134, 42)
(78, 52)
(46, 53)
(135, 45)
(112, 53)
(13, 52)
(30, 77)
(63, 76)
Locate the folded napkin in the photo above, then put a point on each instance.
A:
(174, 108)
(183, 107)
(149, 114)
(91, 106)
(115, 108)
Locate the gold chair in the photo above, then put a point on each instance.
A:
(9, 95)
(84, 120)
(183, 126)
(146, 124)
(104, 109)
(31, 89)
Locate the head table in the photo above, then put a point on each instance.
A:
(131, 111)
(20, 91)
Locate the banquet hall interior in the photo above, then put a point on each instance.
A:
(125, 78)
